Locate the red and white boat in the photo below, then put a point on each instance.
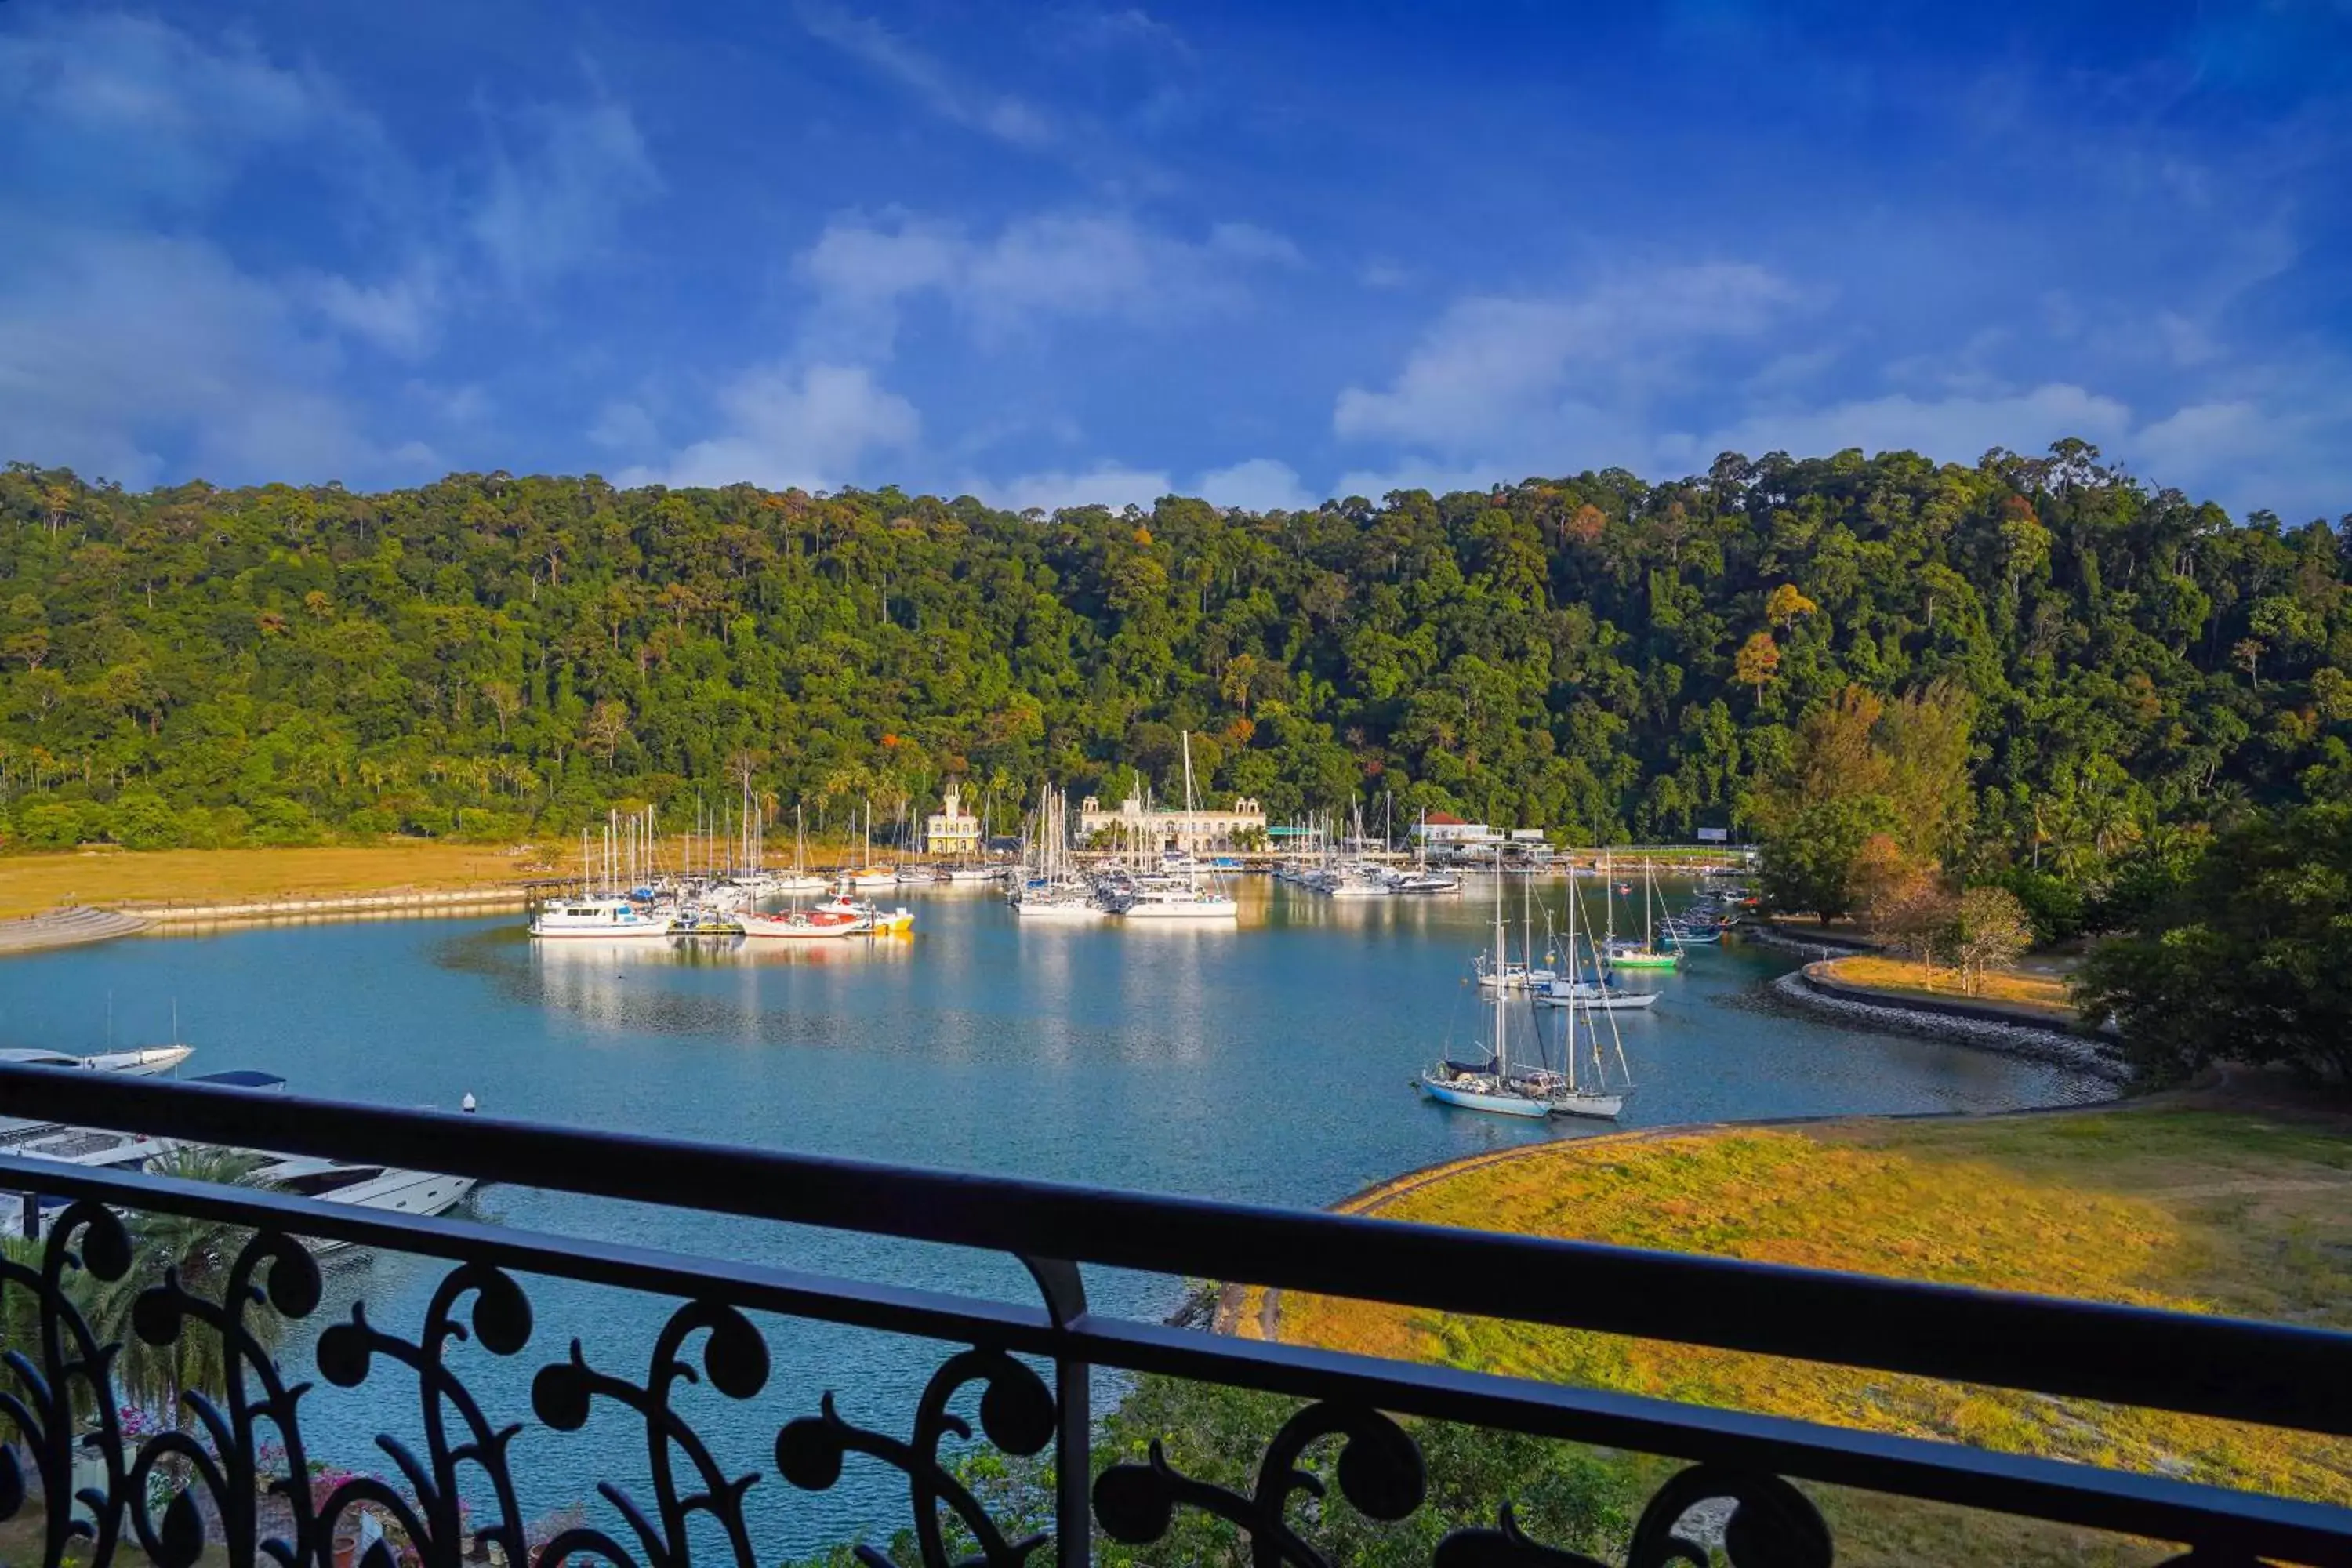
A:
(803, 925)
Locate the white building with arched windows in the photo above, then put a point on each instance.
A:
(1196, 832)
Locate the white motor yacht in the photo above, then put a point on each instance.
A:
(364, 1186)
(611, 919)
(142, 1061)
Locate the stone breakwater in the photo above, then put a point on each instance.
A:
(2087, 1054)
(64, 928)
(451, 902)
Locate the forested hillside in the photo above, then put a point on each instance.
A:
(1602, 656)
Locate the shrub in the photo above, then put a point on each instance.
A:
(49, 825)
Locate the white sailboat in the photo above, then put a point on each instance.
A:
(1050, 890)
(1626, 953)
(799, 879)
(1572, 990)
(1491, 1085)
(1180, 897)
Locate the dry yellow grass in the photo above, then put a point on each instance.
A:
(2199, 1211)
(30, 883)
(2033, 991)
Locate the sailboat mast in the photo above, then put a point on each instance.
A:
(1502, 994)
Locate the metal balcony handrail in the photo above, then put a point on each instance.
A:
(2276, 1375)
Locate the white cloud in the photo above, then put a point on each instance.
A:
(1418, 474)
(1107, 484)
(1504, 373)
(1950, 429)
(108, 107)
(2285, 449)
(1078, 265)
(1259, 484)
(1248, 242)
(116, 348)
(554, 200)
(813, 427)
(1002, 115)
(401, 315)
(1085, 30)
(626, 427)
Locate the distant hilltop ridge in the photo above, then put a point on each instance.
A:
(1598, 655)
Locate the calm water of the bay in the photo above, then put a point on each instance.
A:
(1268, 1063)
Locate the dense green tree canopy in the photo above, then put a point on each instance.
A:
(1599, 655)
(2244, 954)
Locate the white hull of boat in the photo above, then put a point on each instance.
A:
(652, 930)
(142, 1061)
(1059, 913)
(1185, 910)
(1601, 1107)
(1477, 1099)
(1610, 1002)
(785, 928)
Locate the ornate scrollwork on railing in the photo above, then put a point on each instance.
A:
(1771, 1524)
(432, 1516)
(75, 1373)
(735, 1358)
(228, 1467)
(1380, 1471)
(1016, 1412)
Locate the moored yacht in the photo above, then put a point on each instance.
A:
(364, 1186)
(139, 1061)
(609, 917)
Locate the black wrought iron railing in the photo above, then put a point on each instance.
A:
(238, 1475)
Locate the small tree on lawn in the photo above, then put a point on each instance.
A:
(1989, 931)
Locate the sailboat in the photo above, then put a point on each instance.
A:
(1179, 895)
(1592, 1097)
(1490, 1085)
(608, 915)
(799, 879)
(1625, 953)
(1570, 989)
(869, 875)
(1505, 975)
(1049, 888)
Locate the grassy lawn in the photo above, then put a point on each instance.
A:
(2197, 1210)
(30, 883)
(2039, 990)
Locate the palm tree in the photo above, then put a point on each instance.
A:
(201, 1253)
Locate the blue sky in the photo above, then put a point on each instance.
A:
(1262, 252)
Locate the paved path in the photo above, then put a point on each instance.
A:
(65, 927)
